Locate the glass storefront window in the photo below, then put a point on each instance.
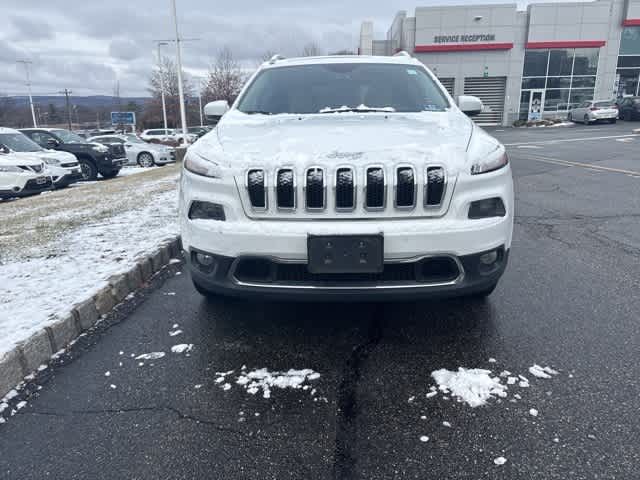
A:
(630, 41)
(586, 61)
(535, 63)
(560, 62)
(583, 82)
(629, 62)
(535, 82)
(556, 100)
(580, 95)
(558, 82)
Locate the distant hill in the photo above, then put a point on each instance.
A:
(93, 101)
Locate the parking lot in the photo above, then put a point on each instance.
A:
(569, 300)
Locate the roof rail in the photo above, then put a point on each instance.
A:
(401, 53)
(275, 58)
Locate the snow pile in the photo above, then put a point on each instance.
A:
(182, 348)
(542, 372)
(263, 380)
(473, 386)
(150, 356)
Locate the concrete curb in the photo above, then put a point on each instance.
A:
(28, 355)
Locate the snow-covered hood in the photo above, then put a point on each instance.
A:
(55, 156)
(20, 158)
(352, 138)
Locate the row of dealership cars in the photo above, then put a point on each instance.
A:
(36, 159)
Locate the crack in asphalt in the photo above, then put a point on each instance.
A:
(158, 408)
(347, 399)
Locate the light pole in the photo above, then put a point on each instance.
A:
(33, 112)
(200, 98)
(164, 105)
(183, 114)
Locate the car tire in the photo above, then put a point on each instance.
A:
(111, 174)
(145, 160)
(203, 291)
(613, 120)
(585, 120)
(88, 169)
(627, 116)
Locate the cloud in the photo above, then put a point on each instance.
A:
(124, 49)
(31, 27)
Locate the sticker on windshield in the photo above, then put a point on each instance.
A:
(411, 71)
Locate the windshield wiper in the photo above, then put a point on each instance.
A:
(257, 112)
(359, 109)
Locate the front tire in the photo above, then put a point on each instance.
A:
(613, 120)
(586, 119)
(88, 169)
(145, 160)
(110, 174)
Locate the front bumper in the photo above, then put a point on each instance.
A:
(31, 187)
(222, 277)
(68, 179)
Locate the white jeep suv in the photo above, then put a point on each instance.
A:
(346, 177)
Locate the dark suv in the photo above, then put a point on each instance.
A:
(94, 158)
(629, 108)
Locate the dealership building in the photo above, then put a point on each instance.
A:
(522, 64)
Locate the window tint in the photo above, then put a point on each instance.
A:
(314, 88)
(604, 104)
(630, 41)
(586, 62)
(560, 62)
(535, 63)
(40, 137)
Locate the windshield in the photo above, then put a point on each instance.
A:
(19, 142)
(604, 104)
(134, 139)
(335, 87)
(68, 137)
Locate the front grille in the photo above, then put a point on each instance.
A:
(34, 185)
(345, 189)
(361, 190)
(285, 189)
(116, 149)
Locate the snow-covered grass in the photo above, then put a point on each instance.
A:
(61, 248)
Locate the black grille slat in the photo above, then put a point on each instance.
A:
(345, 189)
(375, 184)
(315, 189)
(434, 186)
(405, 187)
(257, 188)
(285, 189)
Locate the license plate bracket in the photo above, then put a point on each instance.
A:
(345, 253)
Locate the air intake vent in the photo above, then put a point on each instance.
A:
(345, 189)
(405, 187)
(434, 187)
(375, 190)
(257, 189)
(315, 191)
(285, 189)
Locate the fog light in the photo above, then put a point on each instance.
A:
(204, 259)
(206, 211)
(489, 258)
(489, 207)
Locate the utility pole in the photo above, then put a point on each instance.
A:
(161, 70)
(66, 93)
(200, 98)
(183, 114)
(26, 64)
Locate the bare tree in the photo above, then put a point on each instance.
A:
(225, 78)
(153, 110)
(343, 52)
(311, 49)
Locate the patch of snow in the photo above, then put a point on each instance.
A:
(533, 412)
(198, 386)
(473, 386)
(492, 360)
(226, 386)
(21, 405)
(171, 294)
(2, 420)
(42, 367)
(173, 261)
(424, 438)
(500, 461)
(182, 348)
(262, 379)
(107, 374)
(150, 356)
(512, 380)
(113, 386)
(431, 394)
(542, 372)
(411, 399)
(174, 333)
(12, 394)
(446, 424)
(423, 417)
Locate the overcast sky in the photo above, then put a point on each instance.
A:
(88, 45)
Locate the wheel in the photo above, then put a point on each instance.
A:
(203, 291)
(110, 174)
(586, 119)
(88, 169)
(627, 116)
(569, 117)
(145, 159)
(612, 120)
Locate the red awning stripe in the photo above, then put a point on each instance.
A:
(631, 22)
(567, 44)
(462, 47)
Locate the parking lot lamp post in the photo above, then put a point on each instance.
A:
(200, 99)
(183, 114)
(164, 105)
(33, 112)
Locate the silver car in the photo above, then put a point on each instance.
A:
(592, 111)
(138, 151)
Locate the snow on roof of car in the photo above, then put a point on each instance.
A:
(287, 62)
(8, 130)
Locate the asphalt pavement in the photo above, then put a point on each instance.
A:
(569, 300)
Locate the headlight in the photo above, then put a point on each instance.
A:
(492, 161)
(100, 148)
(10, 168)
(52, 161)
(199, 165)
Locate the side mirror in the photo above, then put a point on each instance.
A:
(214, 110)
(470, 105)
(52, 143)
(4, 149)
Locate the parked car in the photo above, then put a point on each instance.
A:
(346, 178)
(629, 108)
(62, 166)
(199, 131)
(170, 136)
(21, 175)
(593, 111)
(138, 151)
(94, 158)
